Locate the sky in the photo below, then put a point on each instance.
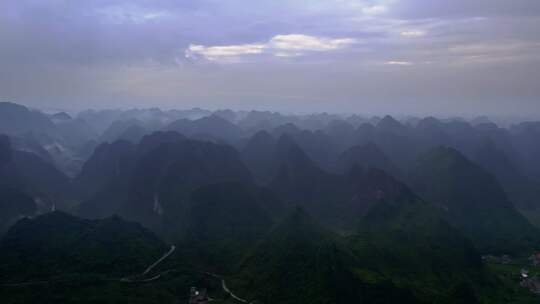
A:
(342, 56)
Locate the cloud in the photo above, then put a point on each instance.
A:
(291, 45)
(375, 10)
(308, 43)
(413, 33)
(122, 14)
(402, 63)
(223, 53)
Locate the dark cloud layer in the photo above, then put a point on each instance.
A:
(415, 56)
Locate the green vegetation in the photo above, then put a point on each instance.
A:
(57, 244)
(510, 275)
(300, 262)
(410, 245)
(84, 288)
(221, 221)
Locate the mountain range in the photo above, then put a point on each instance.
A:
(263, 207)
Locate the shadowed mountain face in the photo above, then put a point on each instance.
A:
(264, 153)
(14, 205)
(29, 174)
(41, 177)
(103, 181)
(367, 156)
(299, 181)
(110, 169)
(258, 155)
(525, 139)
(497, 162)
(522, 190)
(342, 133)
(5, 150)
(108, 162)
(152, 182)
(473, 201)
(156, 139)
(164, 178)
(339, 199)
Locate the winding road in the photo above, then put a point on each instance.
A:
(155, 277)
(150, 268)
(124, 279)
(166, 255)
(226, 289)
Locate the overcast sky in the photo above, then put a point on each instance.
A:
(365, 56)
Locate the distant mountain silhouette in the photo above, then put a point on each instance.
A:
(53, 139)
(60, 117)
(389, 124)
(213, 126)
(16, 119)
(131, 130)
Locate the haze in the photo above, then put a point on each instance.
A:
(453, 57)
